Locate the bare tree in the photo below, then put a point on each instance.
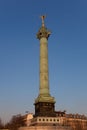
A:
(1, 124)
(16, 122)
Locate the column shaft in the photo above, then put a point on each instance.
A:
(44, 76)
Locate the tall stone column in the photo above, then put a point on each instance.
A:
(44, 76)
(44, 102)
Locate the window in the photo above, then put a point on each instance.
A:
(43, 119)
(39, 119)
(50, 119)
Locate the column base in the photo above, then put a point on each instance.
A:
(45, 106)
(45, 109)
(45, 98)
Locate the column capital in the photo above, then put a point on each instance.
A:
(43, 32)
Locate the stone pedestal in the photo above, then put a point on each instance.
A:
(45, 128)
(45, 109)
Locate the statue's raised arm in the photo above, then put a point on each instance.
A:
(43, 17)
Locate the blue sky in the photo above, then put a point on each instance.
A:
(19, 54)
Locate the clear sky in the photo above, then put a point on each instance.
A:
(19, 54)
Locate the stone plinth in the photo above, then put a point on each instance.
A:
(45, 128)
